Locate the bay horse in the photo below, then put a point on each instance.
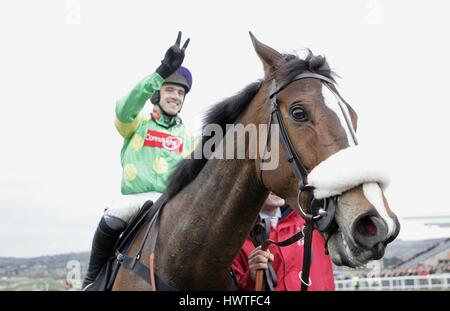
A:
(213, 203)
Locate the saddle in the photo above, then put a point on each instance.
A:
(148, 214)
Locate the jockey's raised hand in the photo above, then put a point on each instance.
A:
(173, 58)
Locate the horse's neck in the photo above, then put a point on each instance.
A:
(205, 225)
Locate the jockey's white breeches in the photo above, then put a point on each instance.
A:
(127, 206)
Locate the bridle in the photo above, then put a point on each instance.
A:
(321, 211)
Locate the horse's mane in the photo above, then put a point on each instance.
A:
(228, 111)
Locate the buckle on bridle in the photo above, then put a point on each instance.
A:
(322, 211)
(304, 189)
(119, 257)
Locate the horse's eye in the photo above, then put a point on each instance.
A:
(299, 113)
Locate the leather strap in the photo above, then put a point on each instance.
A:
(133, 263)
(307, 253)
(153, 238)
(299, 77)
(270, 277)
(265, 247)
(152, 272)
(293, 158)
(137, 267)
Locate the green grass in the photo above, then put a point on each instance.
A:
(38, 284)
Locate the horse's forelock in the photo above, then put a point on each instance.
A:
(291, 66)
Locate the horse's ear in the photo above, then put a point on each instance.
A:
(269, 57)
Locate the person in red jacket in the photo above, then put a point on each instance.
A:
(286, 261)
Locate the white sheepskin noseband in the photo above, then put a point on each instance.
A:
(347, 169)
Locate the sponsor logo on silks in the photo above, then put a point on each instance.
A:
(163, 140)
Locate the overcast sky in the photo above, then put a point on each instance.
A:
(64, 63)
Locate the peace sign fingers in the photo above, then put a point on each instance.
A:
(173, 58)
(177, 43)
(185, 44)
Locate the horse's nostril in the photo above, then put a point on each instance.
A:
(369, 230)
(367, 227)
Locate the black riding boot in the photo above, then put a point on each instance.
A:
(105, 238)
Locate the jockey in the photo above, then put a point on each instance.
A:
(286, 261)
(153, 147)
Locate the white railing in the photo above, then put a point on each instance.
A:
(416, 282)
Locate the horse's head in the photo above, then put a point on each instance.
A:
(320, 128)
